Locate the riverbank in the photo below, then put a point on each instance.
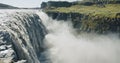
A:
(90, 18)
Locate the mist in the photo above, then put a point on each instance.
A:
(66, 46)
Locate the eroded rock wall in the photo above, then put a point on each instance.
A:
(89, 23)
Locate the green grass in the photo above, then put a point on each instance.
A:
(109, 11)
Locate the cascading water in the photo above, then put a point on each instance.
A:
(33, 37)
(21, 36)
(67, 46)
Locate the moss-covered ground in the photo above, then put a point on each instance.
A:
(110, 10)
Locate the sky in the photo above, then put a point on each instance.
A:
(27, 3)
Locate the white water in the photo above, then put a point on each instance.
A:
(21, 36)
(62, 43)
(66, 46)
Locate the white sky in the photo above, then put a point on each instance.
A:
(27, 3)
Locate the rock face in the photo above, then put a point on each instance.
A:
(21, 37)
(50, 4)
(89, 23)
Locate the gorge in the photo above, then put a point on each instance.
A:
(53, 36)
(31, 36)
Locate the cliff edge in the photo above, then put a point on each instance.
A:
(88, 16)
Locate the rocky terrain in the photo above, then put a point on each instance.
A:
(89, 17)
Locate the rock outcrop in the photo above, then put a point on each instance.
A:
(55, 4)
(88, 23)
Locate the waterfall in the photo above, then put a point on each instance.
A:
(21, 36)
(30, 36)
(65, 45)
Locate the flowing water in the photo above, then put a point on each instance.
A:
(40, 39)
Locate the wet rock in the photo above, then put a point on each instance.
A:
(88, 23)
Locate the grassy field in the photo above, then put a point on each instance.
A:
(110, 10)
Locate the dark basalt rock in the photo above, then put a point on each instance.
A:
(43, 5)
(88, 23)
(59, 4)
(55, 4)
